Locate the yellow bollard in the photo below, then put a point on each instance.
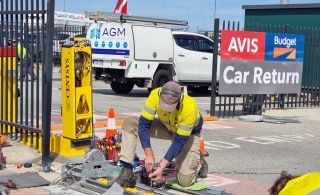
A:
(8, 88)
(76, 87)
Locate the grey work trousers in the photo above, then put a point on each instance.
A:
(187, 162)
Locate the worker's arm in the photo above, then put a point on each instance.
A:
(144, 135)
(143, 131)
(173, 151)
(145, 121)
(176, 147)
(187, 125)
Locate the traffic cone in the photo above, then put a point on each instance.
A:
(111, 125)
(202, 150)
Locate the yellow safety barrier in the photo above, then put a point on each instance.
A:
(8, 87)
(76, 98)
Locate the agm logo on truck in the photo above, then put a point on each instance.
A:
(95, 33)
(106, 32)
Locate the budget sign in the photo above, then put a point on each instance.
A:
(260, 63)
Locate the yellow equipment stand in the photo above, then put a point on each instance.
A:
(8, 87)
(76, 98)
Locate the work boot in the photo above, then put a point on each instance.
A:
(126, 178)
(203, 172)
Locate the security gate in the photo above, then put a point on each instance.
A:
(26, 71)
(253, 104)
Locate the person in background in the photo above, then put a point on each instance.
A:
(287, 184)
(25, 59)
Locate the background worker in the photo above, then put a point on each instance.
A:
(178, 120)
(26, 61)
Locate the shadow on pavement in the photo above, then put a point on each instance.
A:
(280, 120)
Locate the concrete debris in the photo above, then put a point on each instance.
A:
(82, 177)
(96, 166)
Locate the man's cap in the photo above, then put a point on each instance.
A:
(170, 96)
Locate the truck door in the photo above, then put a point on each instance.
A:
(186, 59)
(205, 49)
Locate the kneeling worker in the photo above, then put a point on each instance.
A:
(178, 120)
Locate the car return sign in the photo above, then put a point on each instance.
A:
(260, 63)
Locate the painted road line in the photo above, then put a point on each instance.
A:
(100, 116)
(235, 185)
(272, 139)
(214, 126)
(244, 186)
(219, 145)
(203, 103)
(262, 140)
(217, 181)
(236, 124)
(130, 114)
(97, 124)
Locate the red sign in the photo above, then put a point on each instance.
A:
(242, 45)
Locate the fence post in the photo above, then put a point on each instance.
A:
(282, 96)
(47, 86)
(216, 35)
(83, 29)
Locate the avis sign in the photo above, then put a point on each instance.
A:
(260, 63)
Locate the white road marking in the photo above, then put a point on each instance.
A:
(218, 145)
(203, 103)
(214, 180)
(275, 138)
(263, 140)
(211, 126)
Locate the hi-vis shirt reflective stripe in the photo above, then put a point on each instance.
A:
(149, 110)
(308, 184)
(180, 121)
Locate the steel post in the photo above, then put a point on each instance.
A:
(214, 67)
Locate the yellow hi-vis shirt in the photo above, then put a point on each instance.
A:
(179, 121)
(22, 51)
(308, 184)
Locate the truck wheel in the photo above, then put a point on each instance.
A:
(160, 78)
(121, 88)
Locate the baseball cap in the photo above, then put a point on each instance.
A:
(170, 96)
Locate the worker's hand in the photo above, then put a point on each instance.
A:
(156, 175)
(149, 163)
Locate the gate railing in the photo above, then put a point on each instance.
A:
(26, 71)
(63, 34)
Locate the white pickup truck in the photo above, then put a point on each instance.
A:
(149, 55)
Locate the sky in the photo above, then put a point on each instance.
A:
(199, 13)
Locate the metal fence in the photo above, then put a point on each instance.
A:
(63, 34)
(26, 71)
(231, 105)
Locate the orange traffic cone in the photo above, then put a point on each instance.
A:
(111, 125)
(202, 150)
